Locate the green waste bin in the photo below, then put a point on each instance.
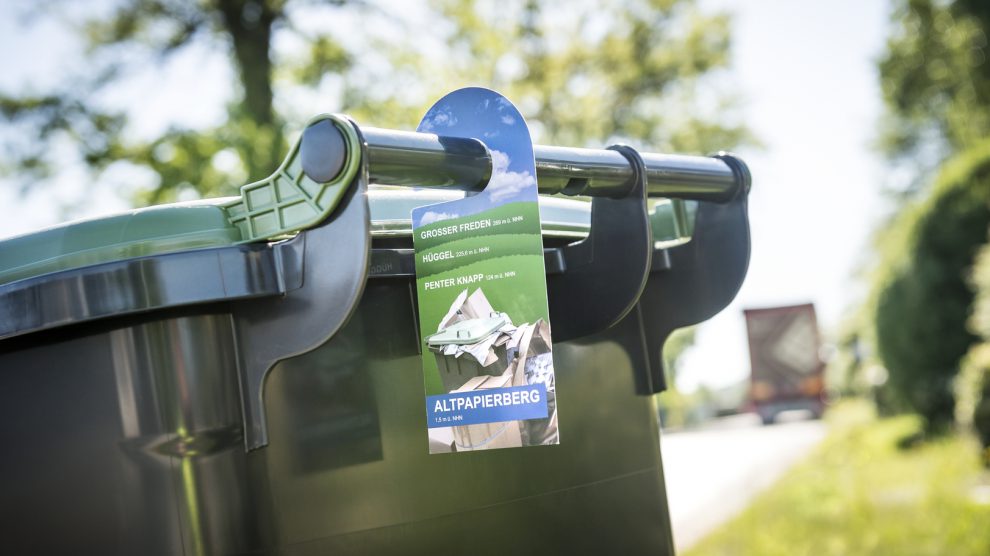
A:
(136, 420)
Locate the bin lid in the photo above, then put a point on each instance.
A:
(136, 233)
(204, 224)
(470, 331)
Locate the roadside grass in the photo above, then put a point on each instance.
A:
(858, 494)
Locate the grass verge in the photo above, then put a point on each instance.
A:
(859, 494)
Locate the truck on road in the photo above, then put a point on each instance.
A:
(787, 368)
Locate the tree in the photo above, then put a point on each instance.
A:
(935, 77)
(923, 300)
(936, 85)
(141, 32)
(600, 74)
(583, 71)
(974, 386)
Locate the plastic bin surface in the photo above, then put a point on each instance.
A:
(125, 437)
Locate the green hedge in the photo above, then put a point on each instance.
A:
(923, 298)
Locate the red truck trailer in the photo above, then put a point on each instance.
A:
(787, 369)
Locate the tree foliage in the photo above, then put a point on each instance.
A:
(583, 71)
(974, 387)
(979, 322)
(935, 77)
(597, 73)
(923, 299)
(124, 42)
(677, 343)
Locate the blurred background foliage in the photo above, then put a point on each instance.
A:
(583, 72)
(935, 81)
(973, 388)
(923, 298)
(919, 324)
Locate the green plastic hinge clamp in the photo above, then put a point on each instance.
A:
(289, 201)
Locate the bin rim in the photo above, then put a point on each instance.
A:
(203, 224)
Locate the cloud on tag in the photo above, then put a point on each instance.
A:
(431, 217)
(439, 117)
(503, 184)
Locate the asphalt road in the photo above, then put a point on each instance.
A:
(713, 472)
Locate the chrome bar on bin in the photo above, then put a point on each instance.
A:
(424, 159)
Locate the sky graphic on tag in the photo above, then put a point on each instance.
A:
(479, 113)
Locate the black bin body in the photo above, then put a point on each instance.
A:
(124, 436)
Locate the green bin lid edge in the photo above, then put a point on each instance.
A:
(204, 224)
(136, 233)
